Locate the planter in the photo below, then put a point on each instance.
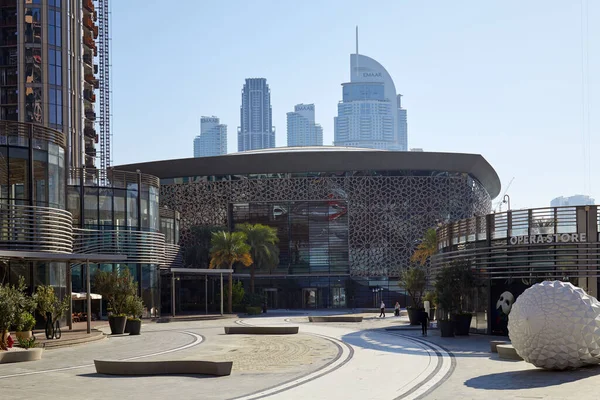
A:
(21, 356)
(446, 328)
(135, 326)
(414, 316)
(126, 330)
(432, 313)
(117, 324)
(462, 324)
(24, 335)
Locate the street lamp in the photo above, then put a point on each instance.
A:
(506, 200)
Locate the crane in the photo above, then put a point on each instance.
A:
(499, 203)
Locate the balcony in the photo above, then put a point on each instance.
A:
(89, 95)
(90, 114)
(88, 59)
(89, 131)
(89, 42)
(90, 151)
(91, 79)
(90, 163)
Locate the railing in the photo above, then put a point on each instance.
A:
(116, 178)
(32, 131)
(139, 246)
(535, 221)
(173, 256)
(29, 228)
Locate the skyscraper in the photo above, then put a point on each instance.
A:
(370, 113)
(256, 129)
(48, 69)
(212, 140)
(301, 127)
(576, 200)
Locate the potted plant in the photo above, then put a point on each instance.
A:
(413, 279)
(453, 287)
(135, 308)
(445, 299)
(116, 287)
(25, 325)
(51, 308)
(11, 298)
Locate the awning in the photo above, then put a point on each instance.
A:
(83, 296)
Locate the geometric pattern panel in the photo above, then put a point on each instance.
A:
(387, 215)
(555, 325)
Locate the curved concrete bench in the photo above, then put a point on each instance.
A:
(261, 330)
(34, 354)
(507, 352)
(335, 318)
(187, 367)
(494, 343)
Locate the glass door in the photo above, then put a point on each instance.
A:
(309, 298)
(338, 296)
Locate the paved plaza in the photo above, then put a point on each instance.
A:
(374, 359)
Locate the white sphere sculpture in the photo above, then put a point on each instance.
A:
(556, 325)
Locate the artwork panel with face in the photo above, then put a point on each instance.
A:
(505, 302)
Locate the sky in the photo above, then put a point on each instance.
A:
(515, 81)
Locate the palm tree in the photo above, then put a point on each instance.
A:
(263, 241)
(426, 248)
(227, 248)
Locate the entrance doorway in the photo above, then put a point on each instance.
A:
(309, 298)
(338, 296)
(271, 298)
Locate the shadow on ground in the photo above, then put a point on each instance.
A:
(96, 375)
(530, 379)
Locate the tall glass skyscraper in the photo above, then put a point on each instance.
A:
(301, 127)
(212, 140)
(370, 114)
(256, 129)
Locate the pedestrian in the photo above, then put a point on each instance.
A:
(397, 309)
(424, 322)
(382, 307)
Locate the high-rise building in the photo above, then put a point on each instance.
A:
(212, 140)
(370, 113)
(256, 129)
(576, 200)
(301, 127)
(48, 69)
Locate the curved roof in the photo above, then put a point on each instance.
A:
(322, 159)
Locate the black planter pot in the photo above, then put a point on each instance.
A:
(414, 316)
(117, 324)
(462, 324)
(446, 328)
(135, 326)
(127, 325)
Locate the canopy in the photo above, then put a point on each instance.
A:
(83, 296)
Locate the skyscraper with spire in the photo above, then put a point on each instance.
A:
(370, 113)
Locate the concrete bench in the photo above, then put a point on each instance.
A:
(507, 352)
(16, 356)
(335, 318)
(494, 343)
(261, 330)
(182, 367)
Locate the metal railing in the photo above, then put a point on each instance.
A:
(27, 130)
(173, 256)
(31, 228)
(115, 178)
(140, 247)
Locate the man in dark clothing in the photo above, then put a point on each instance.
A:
(424, 322)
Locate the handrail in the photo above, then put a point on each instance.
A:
(29, 130)
(115, 178)
(32, 228)
(140, 247)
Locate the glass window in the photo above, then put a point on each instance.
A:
(132, 207)
(106, 208)
(18, 169)
(90, 213)
(3, 173)
(153, 208)
(120, 212)
(73, 204)
(40, 171)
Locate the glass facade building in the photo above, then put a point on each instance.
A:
(256, 129)
(212, 140)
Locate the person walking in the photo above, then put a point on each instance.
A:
(397, 309)
(424, 322)
(382, 307)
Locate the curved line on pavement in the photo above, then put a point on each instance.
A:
(197, 340)
(439, 365)
(282, 387)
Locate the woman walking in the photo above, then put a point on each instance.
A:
(382, 307)
(397, 309)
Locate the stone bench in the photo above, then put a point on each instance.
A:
(261, 330)
(15, 356)
(181, 367)
(335, 318)
(507, 352)
(494, 343)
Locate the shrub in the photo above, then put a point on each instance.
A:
(134, 307)
(27, 343)
(48, 303)
(11, 299)
(116, 287)
(414, 279)
(253, 300)
(26, 322)
(237, 293)
(253, 310)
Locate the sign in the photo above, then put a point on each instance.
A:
(550, 238)
(304, 107)
(210, 120)
(372, 74)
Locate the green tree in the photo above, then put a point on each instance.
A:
(453, 286)
(414, 279)
(263, 241)
(116, 287)
(48, 303)
(11, 298)
(226, 249)
(426, 248)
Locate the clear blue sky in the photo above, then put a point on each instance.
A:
(498, 78)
